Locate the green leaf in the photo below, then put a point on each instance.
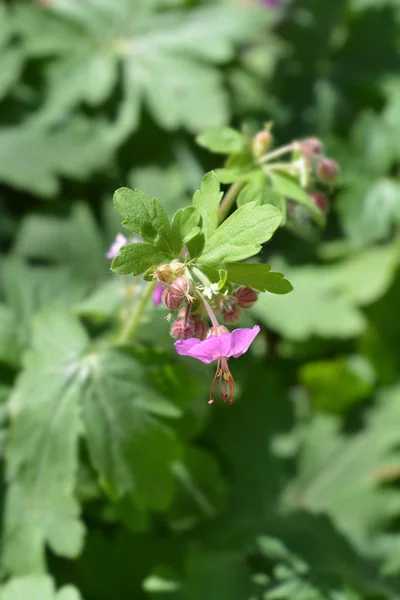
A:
(185, 227)
(42, 451)
(28, 289)
(136, 258)
(64, 241)
(144, 216)
(200, 490)
(259, 277)
(120, 407)
(33, 159)
(9, 343)
(343, 475)
(94, 43)
(288, 187)
(242, 234)
(223, 140)
(207, 200)
(368, 210)
(254, 191)
(216, 575)
(336, 385)
(326, 300)
(36, 588)
(11, 63)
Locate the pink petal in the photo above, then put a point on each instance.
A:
(216, 346)
(157, 294)
(242, 340)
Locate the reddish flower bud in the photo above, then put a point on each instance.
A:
(176, 293)
(261, 143)
(311, 146)
(246, 296)
(232, 314)
(327, 170)
(217, 330)
(200, 329)
(181, 330)
(320, 200)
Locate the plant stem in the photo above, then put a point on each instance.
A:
(276, 153)
(209, 310)
(133, 322)
(229, 199)
(201, 277)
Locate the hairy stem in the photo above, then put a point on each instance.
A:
(209, 310)
(277, 153)
(201, 277)
(132, 323)
(229, 199)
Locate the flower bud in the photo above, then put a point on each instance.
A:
(217, 330)
(166, 273)
(327, 170)
(163, 273)
(311, 146)
(261, 143)
(320, 200)
(182, 331)
(246, 296)
(200, 329)
(232, 314)
(176, 293)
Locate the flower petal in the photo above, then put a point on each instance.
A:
(120, 240)
(157, 294)
(216, 346)
(241, 339)
(208, 350)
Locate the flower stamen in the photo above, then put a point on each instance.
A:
(226, 382)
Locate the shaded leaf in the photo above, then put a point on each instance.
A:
(42, 447)
(223, 140)
(140, 449)
(259, 277)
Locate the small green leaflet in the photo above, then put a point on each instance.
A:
(36, 588)
(185, 226)
(241, 235)
(288, 187)
(207, 200)
(144, 216)
(223, 140)
(259, 277)
(136, 258)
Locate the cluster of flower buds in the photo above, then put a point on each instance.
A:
(230, 306)
(324, 169)
(178, 292)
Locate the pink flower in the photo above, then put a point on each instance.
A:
(271, 2)
(220, 348)
(157, 294)
(121, 240)
(116, 246)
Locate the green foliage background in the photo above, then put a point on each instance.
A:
(118, 480)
